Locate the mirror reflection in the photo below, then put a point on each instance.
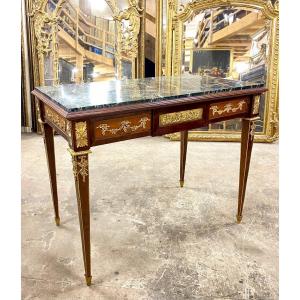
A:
(229, 43)
(86, 41)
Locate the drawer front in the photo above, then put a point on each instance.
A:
(177, 119)
(228, 108)
(125, 127)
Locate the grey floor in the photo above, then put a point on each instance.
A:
(150, 238)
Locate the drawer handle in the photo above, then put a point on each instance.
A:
(125, 126)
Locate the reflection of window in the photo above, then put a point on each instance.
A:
(228, 19)
(254, 50)
(241, 66)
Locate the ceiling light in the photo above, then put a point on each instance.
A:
(98, 4)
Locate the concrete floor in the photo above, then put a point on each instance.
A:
(150, 238)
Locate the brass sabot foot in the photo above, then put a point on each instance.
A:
(239, 219)
(181, 183)
(88, 280)
(57, 221)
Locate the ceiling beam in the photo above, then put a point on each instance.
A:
(236, 27)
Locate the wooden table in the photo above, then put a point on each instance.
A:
(93, 114)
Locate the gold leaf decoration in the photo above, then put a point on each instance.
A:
(55, 118)
(255, 108)
(81, 134)
(180, 117)
(125, 126)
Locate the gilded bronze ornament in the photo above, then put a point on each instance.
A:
(125, 126)
(180, 117)
(81, 134)
(80, 163)
(55, 118)
(255, 108)
(227, 108)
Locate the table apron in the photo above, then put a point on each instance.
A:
(89, 132)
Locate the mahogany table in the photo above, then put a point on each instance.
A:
(93, 114)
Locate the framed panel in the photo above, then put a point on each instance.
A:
(212, 62)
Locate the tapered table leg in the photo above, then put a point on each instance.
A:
(248, 130)
(49, 147)
(81, 175)
(183, 148)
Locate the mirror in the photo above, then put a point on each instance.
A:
(77, 41)
(229, 41)
(87, 40)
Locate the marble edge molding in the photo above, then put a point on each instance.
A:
(155, 97)
(106, 105)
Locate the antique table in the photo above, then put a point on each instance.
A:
(93, 114)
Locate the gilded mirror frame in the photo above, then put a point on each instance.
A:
(175, 25)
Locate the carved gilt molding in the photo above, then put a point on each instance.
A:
(129, 31)
(45, 31)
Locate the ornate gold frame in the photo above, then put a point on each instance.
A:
(177, 17)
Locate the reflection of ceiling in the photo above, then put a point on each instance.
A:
(231, 28)
(99, 8)
(82, 47)
(69, 49)
(239, 35)
(192, 27)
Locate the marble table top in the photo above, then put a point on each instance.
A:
(86, 96)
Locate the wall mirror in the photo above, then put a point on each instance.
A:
(228, 39)
(87, 40)
(76, 41)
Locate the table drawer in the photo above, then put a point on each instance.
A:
(178, 118)
(122, 128)
(228, 108)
